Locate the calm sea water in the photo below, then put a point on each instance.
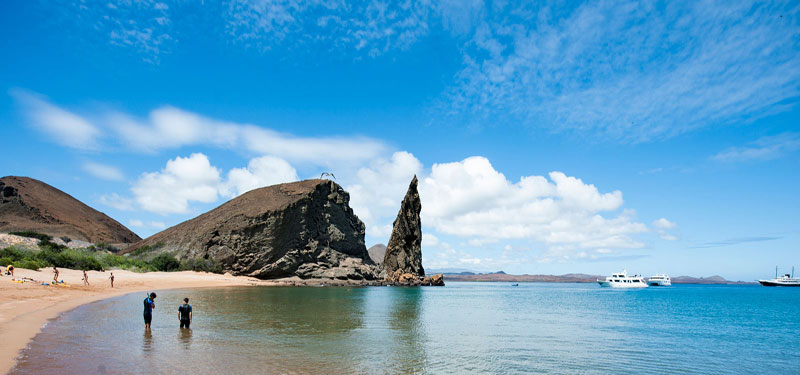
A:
(463, 328)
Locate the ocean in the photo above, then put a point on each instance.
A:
(463, 328)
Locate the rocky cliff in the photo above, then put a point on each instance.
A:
(402, 262)
(27, 204)
(404, 251)
(305, 229)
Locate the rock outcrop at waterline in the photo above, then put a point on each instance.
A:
(305, 229)
(27, 204)
(403, 259)
(404, 251)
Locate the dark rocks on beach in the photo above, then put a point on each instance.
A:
(305, 229)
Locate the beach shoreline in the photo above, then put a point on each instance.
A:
(25, 308)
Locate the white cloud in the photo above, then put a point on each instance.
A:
(628, 70)
(64, 127)
(765, 148)
(379, 188)
(664, 226)
(182, 181)
(260, 172)
(429, 240)
(168, 128)
(157, 224)
(114, 200)
(193, 179)
(472, 200)
(374, 27)
(136, 223)
(105, 172)
(663, 223)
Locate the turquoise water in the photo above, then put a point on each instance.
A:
(463, 328)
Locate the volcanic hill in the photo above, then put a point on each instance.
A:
(305, 229)
(27, 204)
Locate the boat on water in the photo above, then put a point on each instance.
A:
(785, 280)
(622, 280)
(659, 280)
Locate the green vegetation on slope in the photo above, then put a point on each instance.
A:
(51, 254)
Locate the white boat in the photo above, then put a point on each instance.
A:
(659, 280)
(622, 280)
(785, 280)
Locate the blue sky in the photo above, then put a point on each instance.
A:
(548, 138)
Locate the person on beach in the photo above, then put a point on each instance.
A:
(185, 313)
(112, 279)
(149, 305)
(10, 270)
(55, 274)
(85, 278)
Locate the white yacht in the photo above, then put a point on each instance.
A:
(659, 280)
(785, 280)
(622, 280)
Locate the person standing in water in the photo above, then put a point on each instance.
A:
(55, 274)
(185, 313)
(112, 279)
(149, 305)
(85, 278)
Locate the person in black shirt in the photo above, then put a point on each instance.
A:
(185, 313)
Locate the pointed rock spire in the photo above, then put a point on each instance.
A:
(404, 252)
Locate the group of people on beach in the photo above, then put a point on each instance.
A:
(184, 312)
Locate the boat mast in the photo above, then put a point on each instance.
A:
(776, 272)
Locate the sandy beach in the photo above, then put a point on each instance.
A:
(26, 307)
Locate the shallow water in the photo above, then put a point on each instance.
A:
(461, 328)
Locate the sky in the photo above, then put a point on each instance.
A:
(548, 138)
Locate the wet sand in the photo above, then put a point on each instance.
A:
(25, 308)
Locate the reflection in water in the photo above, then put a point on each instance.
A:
(185, 337)
(147, 342)
(408, 356)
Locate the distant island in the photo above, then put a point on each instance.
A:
(501, 276)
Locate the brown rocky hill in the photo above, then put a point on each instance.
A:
(27, 204)
(377, 252)
(305, 229)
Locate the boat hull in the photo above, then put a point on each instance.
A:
(772, 283)
(659, 283)
(607, 284)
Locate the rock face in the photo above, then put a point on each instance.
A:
(27, 204)
(377, 252)
(305, 229)
(404, 252)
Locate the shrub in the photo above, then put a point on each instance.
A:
(146, 249)
(66, 239)
(165, 262)
(32, 234)
(12, 253)
(202, 265)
